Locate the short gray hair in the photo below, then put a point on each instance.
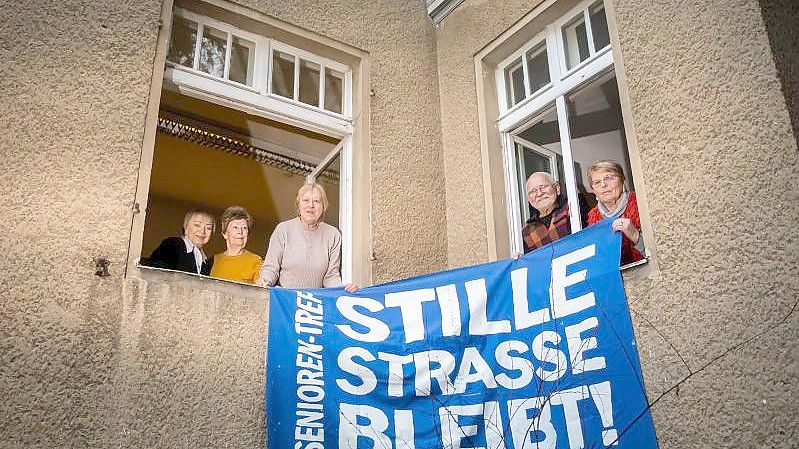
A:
(191, 214)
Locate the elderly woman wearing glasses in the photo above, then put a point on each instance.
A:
(614, 201)
(549, 217)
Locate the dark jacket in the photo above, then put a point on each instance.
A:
(171, 254)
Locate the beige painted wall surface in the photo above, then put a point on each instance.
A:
(460, 133)
(720, 168)
(74, 84)
(164, 362)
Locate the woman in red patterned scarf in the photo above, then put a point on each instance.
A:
(613, 200)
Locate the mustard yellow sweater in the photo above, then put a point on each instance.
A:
(241, 268)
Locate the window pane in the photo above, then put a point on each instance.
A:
(539, 150)
(330, 179)
(181, 46)
(334, 87)
(283, 74)
(538, 67)
(514, 80)
(597, 133)
(575, 41)
(242, 57)
(212, 52)
(599, 26)
(309, 82)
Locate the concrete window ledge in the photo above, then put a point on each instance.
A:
(196, 282)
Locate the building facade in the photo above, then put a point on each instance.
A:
(423, 132)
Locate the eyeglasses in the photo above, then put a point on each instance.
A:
(540, 189)
(604, 180)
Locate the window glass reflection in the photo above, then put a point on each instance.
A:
(212, 52)
(242, 58)
(575, 42)
(181, 45)
(309, 82)
(283, 74)
(538, 67)
(599, 26)
(334, 88)
(514, 80)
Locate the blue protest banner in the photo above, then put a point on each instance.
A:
(528, 354)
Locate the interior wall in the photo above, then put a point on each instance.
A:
(715, 319)
(188, 176)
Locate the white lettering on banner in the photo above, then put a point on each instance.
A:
(396, 376)
(529, 422)
(378, 330)
(349, 429)
(545, 361)
(453, 432)
(450, 310)
(307, 318)
(537, 432)
(522, 316)
(561, 306)
(309, 432)
(472, 359)
(552, 352)
(549, 354)
(441, 373)
(479, 324)
(410, 304)
(578, 345)
(348, 365)
(511, 363)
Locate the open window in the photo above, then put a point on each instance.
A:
(246, 115)
(559, 111)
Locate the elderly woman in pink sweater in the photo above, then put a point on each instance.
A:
(305, 252)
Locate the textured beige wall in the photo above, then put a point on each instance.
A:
(74, 85)
(165, 360)
(719, 163)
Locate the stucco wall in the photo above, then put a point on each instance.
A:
(74, 85)
(714, 316)
(164, 361)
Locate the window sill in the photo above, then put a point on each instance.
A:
(191, 281)
(643, 261)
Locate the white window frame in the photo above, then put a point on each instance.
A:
(195, 82)
(562, 82)
(258, 100)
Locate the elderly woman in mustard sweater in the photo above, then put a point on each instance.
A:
(236, 263)
(305, 252)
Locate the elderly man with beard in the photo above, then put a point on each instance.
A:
(549, 219)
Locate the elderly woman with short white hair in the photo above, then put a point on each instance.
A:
(185, 253)
(305, 252)
(615, 201)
